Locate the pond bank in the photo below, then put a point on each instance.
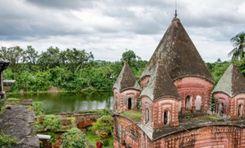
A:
(55, 90)
(55, 103)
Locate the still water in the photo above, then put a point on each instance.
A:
(70, 102)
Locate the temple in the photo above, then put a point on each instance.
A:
(170, 105)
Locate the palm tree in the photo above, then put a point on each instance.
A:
(239, 47)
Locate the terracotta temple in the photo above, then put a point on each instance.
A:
(175, 103)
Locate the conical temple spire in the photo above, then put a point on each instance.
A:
(126, 78)
(178, 54)
(232, 82)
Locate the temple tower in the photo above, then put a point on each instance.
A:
(126, 90)
(181, 60)
(229, 94)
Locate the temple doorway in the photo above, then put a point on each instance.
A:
(129, 103)
(221, 109)
(166, 117)
(240, 110)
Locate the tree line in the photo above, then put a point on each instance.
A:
(76, 70)
(69, 69)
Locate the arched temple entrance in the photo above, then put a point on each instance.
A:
(240, 110)
(166, 117)
(129, 103)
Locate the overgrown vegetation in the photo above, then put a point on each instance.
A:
(48, 123)
(7, 141)
(38, 108)
(133, 115)
(103, 126)
(73, 138)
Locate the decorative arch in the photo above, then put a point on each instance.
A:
(221, 109)
(240, 110)
(130, 103)
(198, 103)
(147, 115)
(166, 117)
(188, 102)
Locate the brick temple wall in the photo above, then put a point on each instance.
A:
(126, 133)
(160, 106)
(208, 137)
(121, 99)
(231, 104)
(212, 136)
(195, 88)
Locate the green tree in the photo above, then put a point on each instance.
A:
(14, 55)
(238, 52)
(50, 58)
(30, 55)
(75, 59)
(130, 57)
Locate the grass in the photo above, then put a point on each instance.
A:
(133, 115)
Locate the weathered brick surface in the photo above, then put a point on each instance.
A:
(121, 99)
(126, 133)
(231, 104)
(193, 87)
(211, 136)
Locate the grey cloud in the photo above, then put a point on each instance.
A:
(63, 4)
(42, 19)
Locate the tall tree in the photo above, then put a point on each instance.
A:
(50, 58)
(130, 57)
(238, 52)
(75, 58)
(30, 55)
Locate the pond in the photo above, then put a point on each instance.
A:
(70, 102)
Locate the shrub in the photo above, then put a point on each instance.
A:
(103, 126)
(73, 138)
(7, 141)
(51, 123)
(38, 108)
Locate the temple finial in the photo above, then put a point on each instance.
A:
(175, 13)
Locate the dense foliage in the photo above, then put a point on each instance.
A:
(7, 141)
(238, 52)
(73, 138)
(38, 108)
(103, 126)
(67, 70)
(49, 123)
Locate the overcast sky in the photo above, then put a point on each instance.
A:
(108, 27)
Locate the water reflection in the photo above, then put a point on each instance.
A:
(71, 102)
